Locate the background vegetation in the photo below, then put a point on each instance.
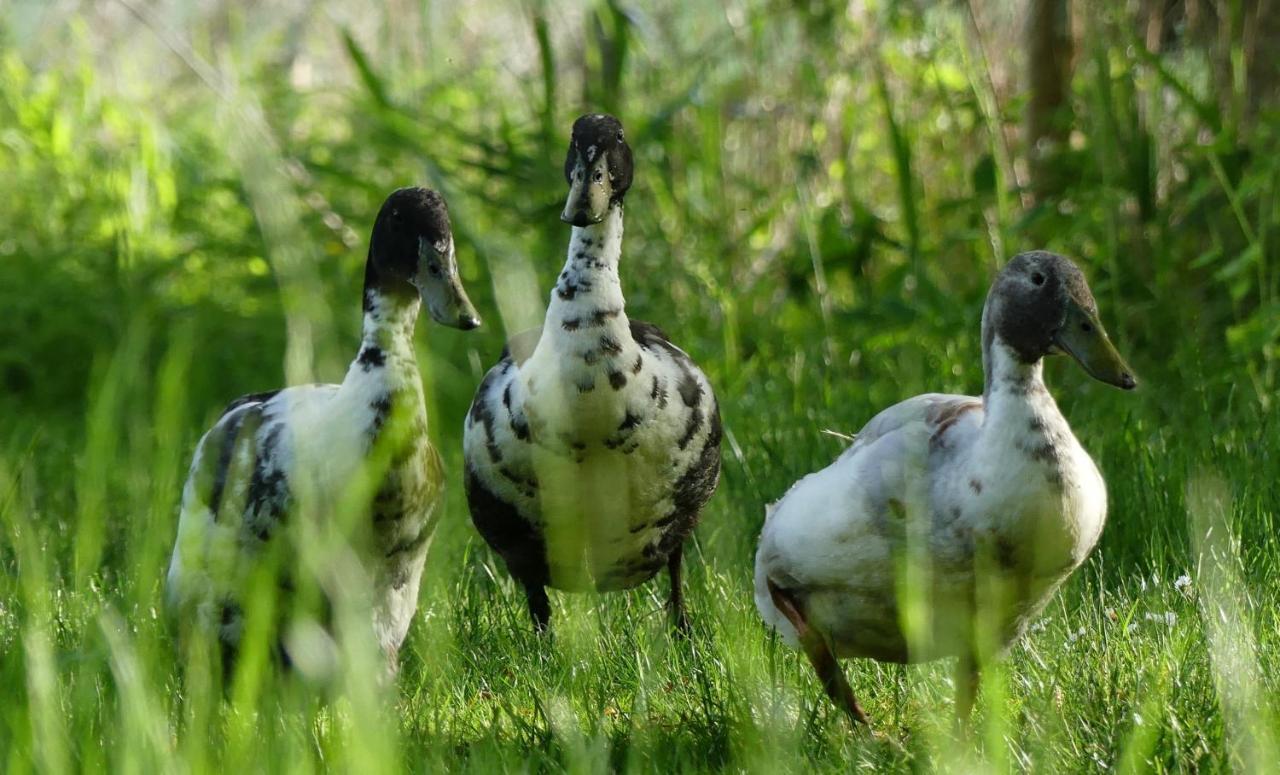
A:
(823, 194)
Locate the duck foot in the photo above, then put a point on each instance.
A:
(675, 602)
(820, 656)
(966, 679)
(539, 607)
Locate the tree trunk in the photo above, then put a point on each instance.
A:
(1048, 118)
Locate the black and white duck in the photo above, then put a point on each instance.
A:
(948, 524)
(276, 466)
(593, 445)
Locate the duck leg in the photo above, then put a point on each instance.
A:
(966, 690)
(820, 655)
(675, 603)
(539, 606)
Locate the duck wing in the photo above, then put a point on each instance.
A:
(842, 525)
(499, 478)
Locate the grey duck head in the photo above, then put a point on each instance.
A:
(1041, 305)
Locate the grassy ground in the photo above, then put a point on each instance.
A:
(821, 199)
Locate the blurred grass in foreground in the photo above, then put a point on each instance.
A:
(822, 195)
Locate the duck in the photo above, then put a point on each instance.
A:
(279, 468)
(950, 521)
(593, 444)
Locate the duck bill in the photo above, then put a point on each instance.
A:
(1083, 338)
(588, 201)
(442, 292)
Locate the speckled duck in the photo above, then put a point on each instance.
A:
(592, 446)
(240, 502)
(988, 503)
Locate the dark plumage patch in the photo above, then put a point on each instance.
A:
(659, 392)
(481, 413)
(691, 427)
(602, 316)
(610, 346)
(238, 429)
(617, 380)
(371, 357)
(381, 407)
(1006, 553)
(638, 365)
(518, 422)
(695, 487)
(223, 439)
(519, 542)
(1043, 452)
(944, 415)
(689, 388)
(976, 486)
(252, 398)
(570, 324)
(586, 384)
(629, 423)
(480, 406)
(526, 485)
(897, 509)
(631, 420)
(268, 498)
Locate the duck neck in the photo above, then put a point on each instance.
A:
(1015, 396)
(589, 280)
(587, 313)
(386, 338)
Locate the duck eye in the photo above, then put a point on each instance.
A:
(434, 269)
(1086, 327)
(1037, 278)
(598, 177)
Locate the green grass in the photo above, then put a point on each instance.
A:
(821, 200)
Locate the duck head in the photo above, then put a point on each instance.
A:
(598, 169)
(1041, 305)
(412, 249)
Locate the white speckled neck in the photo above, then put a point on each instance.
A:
(587, 326)
(589, 279)
(389, 321)
(1006, 373)
(386, 361)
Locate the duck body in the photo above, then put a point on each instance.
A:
(593, 444)
(950, 521)
(281, 475)
(950, 492)
(590, 457)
